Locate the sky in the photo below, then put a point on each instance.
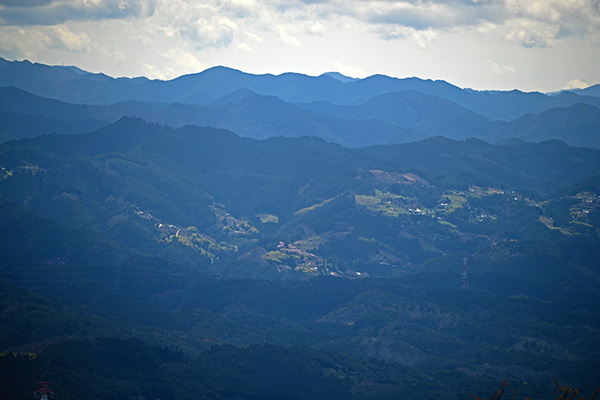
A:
(530, 45)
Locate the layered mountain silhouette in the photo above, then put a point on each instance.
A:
(75, 86)
(389, 118)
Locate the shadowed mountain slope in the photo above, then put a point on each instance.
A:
(201, 196)
(387, 119)
(578, 125)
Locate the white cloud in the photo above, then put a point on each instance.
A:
(16, 40)
(174, 62)
(532, 23)
(244, 47)
(575, 84)
(315, 28)
(497, 69)
(287, 37)
(254, 37)
(351, 71)
(212, 32)
(202, 24)
(155, 72)
(24, 3)
(422, 38)
(34, 40)
(63, 37)
(530, 33)
(55, 12)
(185, 59)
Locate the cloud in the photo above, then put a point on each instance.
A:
(24, 3)
(315, 28)
(34, 40)
(177, 60)
(532, 23)
(575, 84)
(497, 69)
(286, 37)
(62, 37)
(422, 38)
(54, 12)
(350, 70)
(201, 24)
(18, 41)
(417, 15)
(530, 33)
(218, 32)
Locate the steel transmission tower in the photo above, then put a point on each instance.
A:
(44, 391)
(464, 275)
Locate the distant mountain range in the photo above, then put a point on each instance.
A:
(354, 113)
(75, 86)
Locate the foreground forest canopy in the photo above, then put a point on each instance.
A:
(145, 257)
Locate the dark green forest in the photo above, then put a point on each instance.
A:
(193, 263)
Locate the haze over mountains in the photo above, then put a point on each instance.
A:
(295, 237)
(354, 113)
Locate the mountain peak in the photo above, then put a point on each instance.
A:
(221, 68)
(340, 77)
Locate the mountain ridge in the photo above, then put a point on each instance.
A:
(130, 179)
(207, 86)
(391, 118)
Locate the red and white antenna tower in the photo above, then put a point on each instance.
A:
(464, 275)
(44, 391)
